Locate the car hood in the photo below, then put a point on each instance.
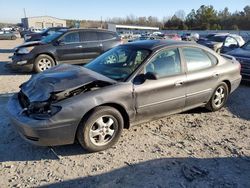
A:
(32, 43)
(58, 79)
(239, 52)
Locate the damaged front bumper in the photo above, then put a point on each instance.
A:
(21, 62)
(41, 132)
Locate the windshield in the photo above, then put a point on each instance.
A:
(246, 46)
(51, 37)
(118, 63)
(218, 38)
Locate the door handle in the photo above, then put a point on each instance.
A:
(216, 74)
(179, 83)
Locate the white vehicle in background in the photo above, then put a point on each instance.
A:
(7, 28)
(35, 30)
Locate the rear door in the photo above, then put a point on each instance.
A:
(201, 75)
(109, 40)
(91, 45)
(70, 48)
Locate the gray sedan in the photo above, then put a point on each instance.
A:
(7, 35)
(128, 85)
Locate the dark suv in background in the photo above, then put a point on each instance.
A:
(39, 36)
(73, 46)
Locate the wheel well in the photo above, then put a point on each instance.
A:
(122, 111)
(228, 85)
(117, 107)
(48, 54)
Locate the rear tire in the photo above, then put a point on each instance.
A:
(13, 38)
(219, 98)
(101, 129)
(43, 62)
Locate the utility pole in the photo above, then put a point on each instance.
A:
(24, 11)
(101, 22)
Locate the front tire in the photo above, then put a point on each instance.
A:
(101, 129)
(43, 62)
(219, 98)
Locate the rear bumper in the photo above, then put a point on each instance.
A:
(40, 132)
(235, 84)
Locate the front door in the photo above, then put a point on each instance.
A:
(166, 94)
(70, 49)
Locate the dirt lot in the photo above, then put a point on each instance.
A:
(193, 149)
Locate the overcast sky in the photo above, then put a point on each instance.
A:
(12, 10)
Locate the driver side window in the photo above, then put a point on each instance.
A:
(71, 38)
(165, 63)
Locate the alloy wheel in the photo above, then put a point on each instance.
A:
(44, 64)
(219, 96)
(103, 130)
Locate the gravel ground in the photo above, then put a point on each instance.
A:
(193, 149)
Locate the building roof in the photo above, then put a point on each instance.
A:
(44, 16)
(134, 27)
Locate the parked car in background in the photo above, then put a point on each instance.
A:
(242, 54)
(223, 43)
(40, 35)
(190, 37)
(30, 31)
(74, 46)
(7, 35)
(147, 37)
(172, 36)
(145, 80)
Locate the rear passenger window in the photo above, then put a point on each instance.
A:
(89, 36)
(71, 38)
(197, 59)
(106, 36)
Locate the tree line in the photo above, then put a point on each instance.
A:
(207, 18)
(204, 18)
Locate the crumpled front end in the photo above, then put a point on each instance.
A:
(44, 132)
(41, 111)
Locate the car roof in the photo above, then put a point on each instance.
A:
(89, 29)
(157, 44)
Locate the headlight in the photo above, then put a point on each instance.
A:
(42, 110)
(27, 37)
(25, 50)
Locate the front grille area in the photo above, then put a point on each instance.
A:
(23, 100)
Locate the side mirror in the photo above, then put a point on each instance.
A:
(151, 76)
(141, 78)
(59, 43)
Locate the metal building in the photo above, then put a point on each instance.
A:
(115, 27)
(41, 22)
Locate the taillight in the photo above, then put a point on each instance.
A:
(239, 66)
